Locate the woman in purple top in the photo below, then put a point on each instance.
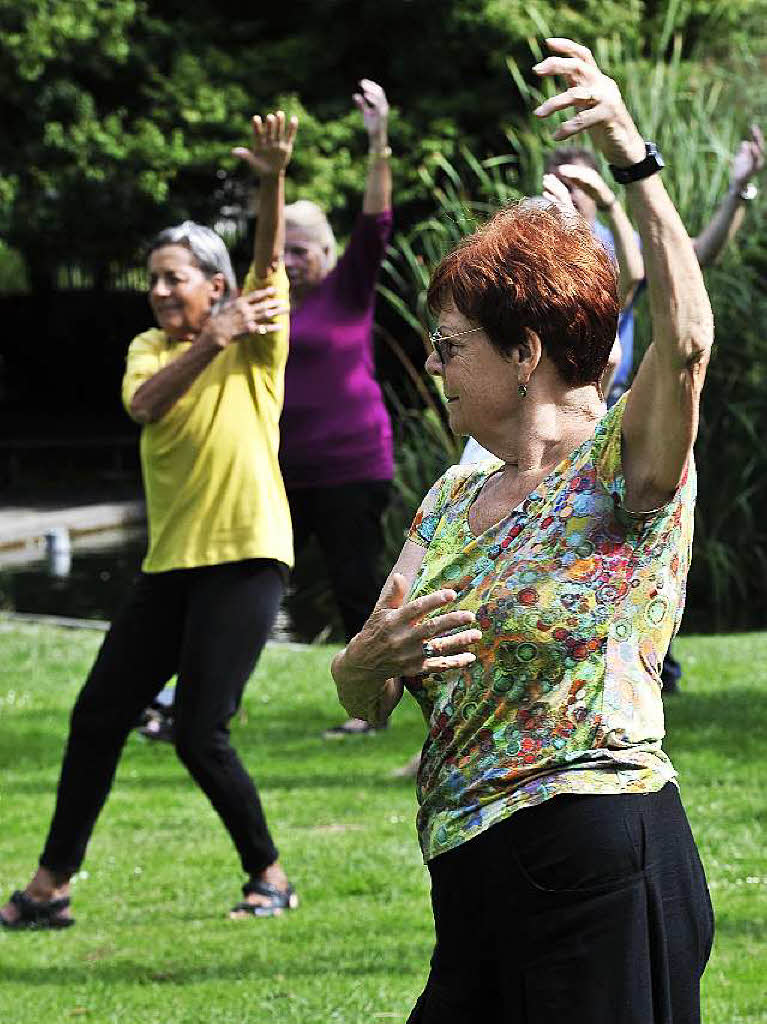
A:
(336, 439)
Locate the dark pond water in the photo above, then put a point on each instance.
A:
(92, 582)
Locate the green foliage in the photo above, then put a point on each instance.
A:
(715, 104)
(119, 115)
(152, 941)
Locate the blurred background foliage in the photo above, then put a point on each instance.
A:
(119, 116)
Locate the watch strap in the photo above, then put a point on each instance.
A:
(652, 163)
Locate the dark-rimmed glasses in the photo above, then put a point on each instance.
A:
(437, 339)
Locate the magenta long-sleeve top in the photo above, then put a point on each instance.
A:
(335, 428)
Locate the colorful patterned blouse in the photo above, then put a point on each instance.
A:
(577, 599)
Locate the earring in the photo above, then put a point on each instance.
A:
(521, 390)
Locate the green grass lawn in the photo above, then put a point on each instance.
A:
(153, 943)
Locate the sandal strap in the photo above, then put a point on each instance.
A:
(35, 910)
(261, 888)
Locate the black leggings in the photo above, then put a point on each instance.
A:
(208, 625)
(347, 520)
(585, 909)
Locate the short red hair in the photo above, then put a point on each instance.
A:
(535, 266)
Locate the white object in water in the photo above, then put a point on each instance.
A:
(58, 551)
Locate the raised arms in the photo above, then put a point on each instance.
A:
(728, 216)
(372, 102)
(268, 156)
(661, 416)
(246, 315)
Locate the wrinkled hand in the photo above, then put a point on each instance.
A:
(391, 641)
(371, 100)
(599, 107)
(253, 313)
(589, 181)
(749, 158)
(272, 146)
(556, 192)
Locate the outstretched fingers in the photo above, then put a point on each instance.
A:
(581, 122)
(560, 44)
(416, 610)
(577, 95)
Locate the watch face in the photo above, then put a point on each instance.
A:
(749, 192)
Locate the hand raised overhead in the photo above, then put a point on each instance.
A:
(589, 181)
(272, 147)
(749, 159)
(372, 102)
(600, 109)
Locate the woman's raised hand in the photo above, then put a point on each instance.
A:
(371, 100)
(600, 109)
(254, 313)
(589, 181)
(273, 138)
(391, 643)
(556, 192)
(749, 158)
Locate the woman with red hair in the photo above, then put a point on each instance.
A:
(531, 606)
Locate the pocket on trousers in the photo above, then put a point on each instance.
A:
(574, 845)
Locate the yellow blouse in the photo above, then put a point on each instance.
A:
(213, 487)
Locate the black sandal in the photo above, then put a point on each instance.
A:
(280, 900)
(38, 913)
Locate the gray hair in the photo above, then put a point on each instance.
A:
(311, 219)
(208, 249)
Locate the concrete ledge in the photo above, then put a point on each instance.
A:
(20, 527)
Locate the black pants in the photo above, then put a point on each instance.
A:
(208, 625)
(585, 909)
(347, 522)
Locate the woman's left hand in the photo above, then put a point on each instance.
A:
(556, 192)
(371, 100)
(589, 181)
(597, 100)
(272, 147)
(254, 313)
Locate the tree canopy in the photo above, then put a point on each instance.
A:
(120, 114)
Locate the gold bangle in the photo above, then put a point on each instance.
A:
(382, 153)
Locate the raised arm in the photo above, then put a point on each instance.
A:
(628, 253)
(371, 100)
(661, 416)
(269, 156)
(728, 216)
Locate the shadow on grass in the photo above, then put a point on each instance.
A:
(141, 973)
(729, 723)
(264, 781)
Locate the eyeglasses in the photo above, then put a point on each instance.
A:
(437, 338)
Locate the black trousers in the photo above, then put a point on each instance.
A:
(208, 625)
(347, 522)
(585, 909)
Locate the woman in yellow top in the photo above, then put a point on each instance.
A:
(207, 385)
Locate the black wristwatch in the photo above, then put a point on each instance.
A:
(652, 163)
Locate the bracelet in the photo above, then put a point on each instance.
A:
(380, 153)
(748, 193)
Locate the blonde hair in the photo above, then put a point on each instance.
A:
(311, 220)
